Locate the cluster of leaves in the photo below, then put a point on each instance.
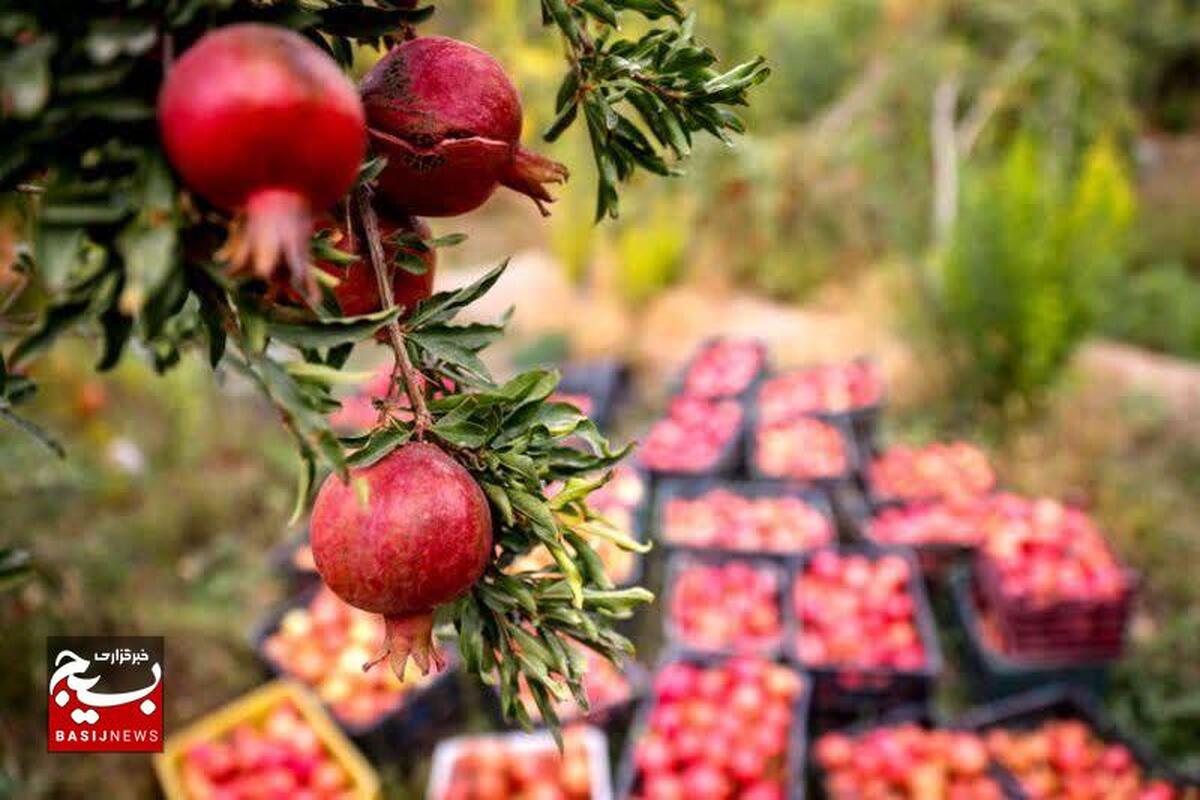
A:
(517, 627)
(642, 99)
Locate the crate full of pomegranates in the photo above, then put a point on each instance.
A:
(319, 640)
(1052, 581)
(907, 760)
(276, 741)
(724, 604)
(759, 518)
(1056, 742)
(992, 672)
(851, 390)
(522, 765)
(696, 436)
(942, 533)
(810, 450)
(861, 625)
(934, 471)
(724, 368)
(718, 728)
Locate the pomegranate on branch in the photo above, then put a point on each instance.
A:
(261, 123)
(401, 537)
(448, 119)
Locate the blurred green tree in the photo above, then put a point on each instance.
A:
(1032, 265)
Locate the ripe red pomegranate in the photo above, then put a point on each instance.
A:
(405, 535)
(358, 291)
(449, 121)
(261, 123)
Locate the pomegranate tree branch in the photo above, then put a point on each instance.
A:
(403, 370)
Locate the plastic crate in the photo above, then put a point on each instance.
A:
(863, 421)
(1028, 710)
(423, 715)
(677, 563)
(627, 775)
(252, 707)
(603, 381)
(992, 674)
(936, 559)
(679, 385)
(729, 461)
(693, 488)
(829, 483)
(448, 752)
(877, 497)
(1093, 629)
(918, 714)
(850, 692)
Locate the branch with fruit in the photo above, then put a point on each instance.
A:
(203, 175)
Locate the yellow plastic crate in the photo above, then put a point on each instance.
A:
(255, 706)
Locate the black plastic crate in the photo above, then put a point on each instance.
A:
(992, 675)
(794, 789)
(936, 559)
(1028, 710)
(604, 381)
(828, 483)
(919, 714)
(424, 715)
(876, 498)
(694, 488)
(677, 563)
(729, 461)
(863, 421)
(679, 384)
(851, 692)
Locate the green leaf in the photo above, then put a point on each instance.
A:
(461, 429)
(500, 501)
(57, 253)
(333, 331)
(56, 319)
(304, 410)
(381, 442)
(444, 305)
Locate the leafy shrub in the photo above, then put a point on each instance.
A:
(1032, 265)
(1159, 308)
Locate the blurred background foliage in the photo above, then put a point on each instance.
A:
(1003, 180)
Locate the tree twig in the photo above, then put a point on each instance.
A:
(403, 371)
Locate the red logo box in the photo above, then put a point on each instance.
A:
(105, 694)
